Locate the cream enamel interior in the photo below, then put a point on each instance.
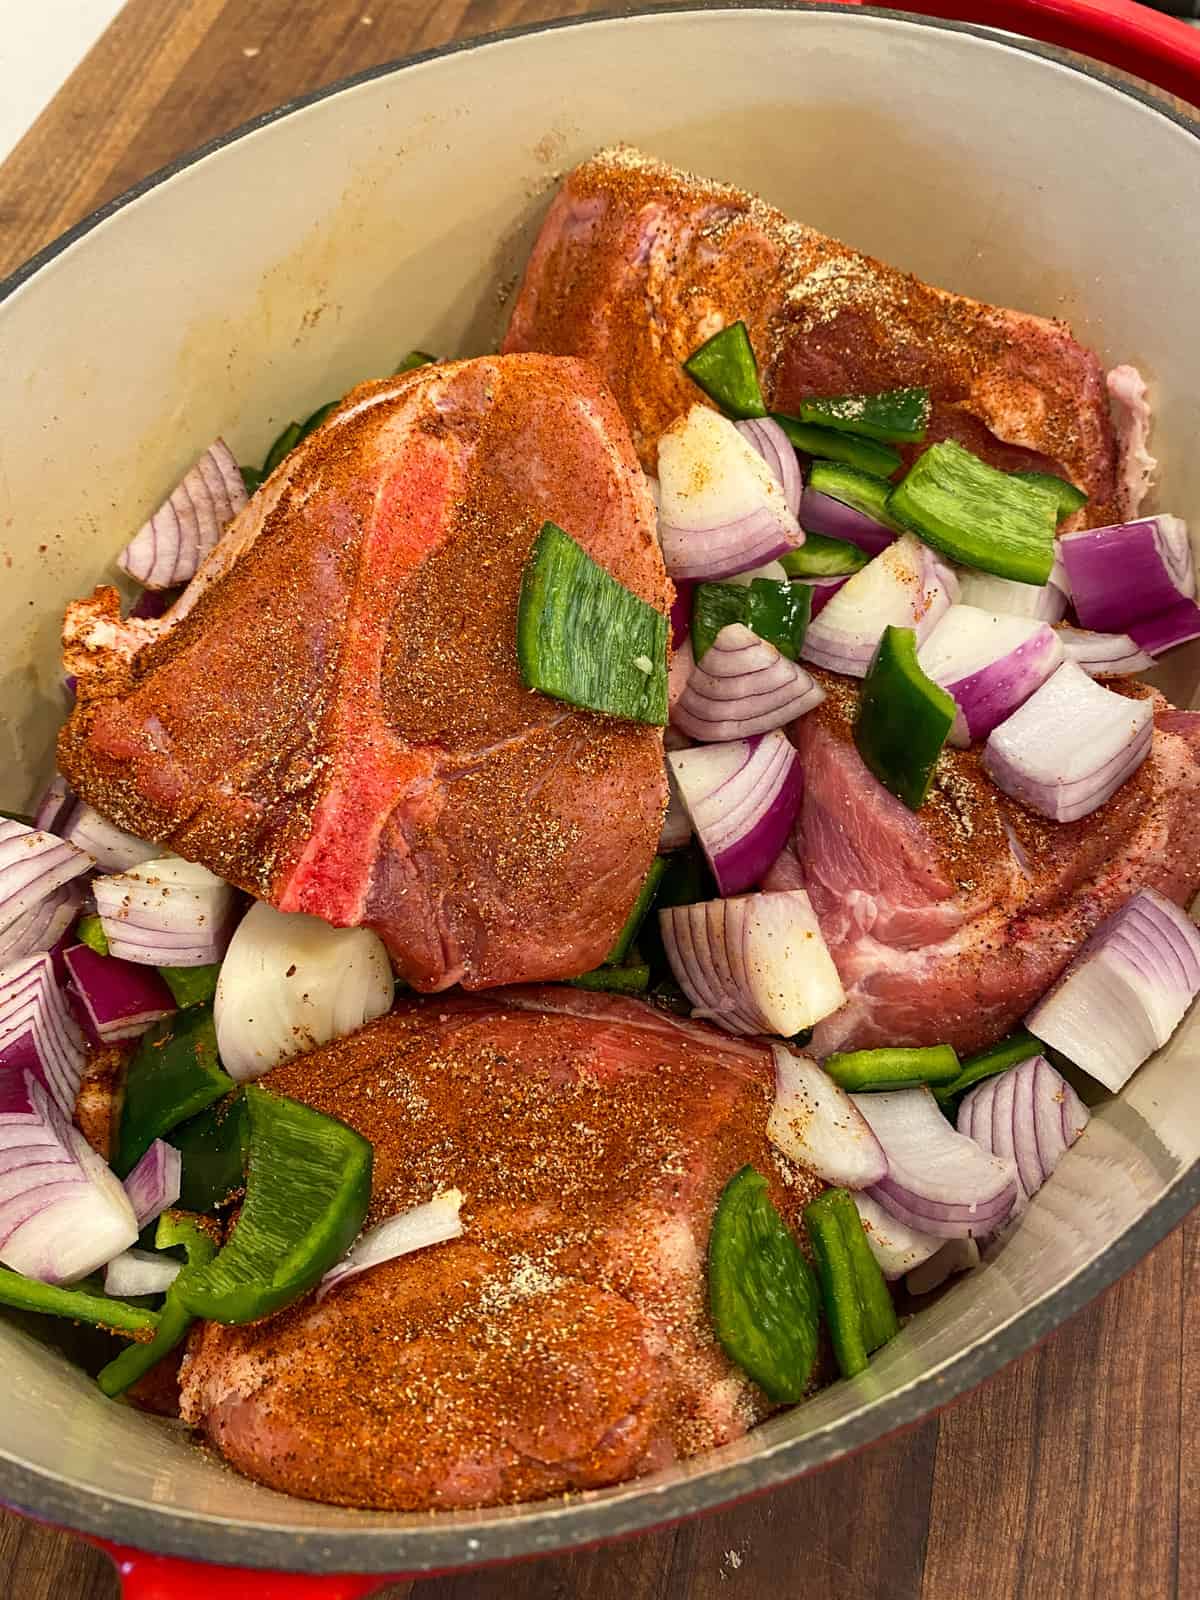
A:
(316, 249)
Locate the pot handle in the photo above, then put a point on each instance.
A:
(151, 1577)
(1161, 49)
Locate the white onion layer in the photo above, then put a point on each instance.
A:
(817, 1125)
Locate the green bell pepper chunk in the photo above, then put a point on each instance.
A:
(175, 1230)
(28, 1294)
(283, 447)
(1070, 499)
(413, 360)
(615, 980)
(976, 515)
(587, 639)
(214, 1146)
(637, 915)
(190, 986)
(89, 930)
(725, 368)
(315, 418)
(997, 1058)
(826, 444)
(174, 1074)
(903, 719)
(861, 1071)
(895, 416)
(762, 1295)
(251, 477)
(307, 1191)
(777, 612)
(858, 1303)
(822, 557)
(861, 491)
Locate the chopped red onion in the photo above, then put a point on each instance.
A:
(1030, 1115)
(1105, 655)
(1125, 993)
(989, 663)
(817, 1125)
(723, 510)
(821, 513)
(823, 591)
(168, 913)
(39, 1037)
(42, 926)
(753, 964)
(774, 446)
(955, 1255)
(681, 612)
(743, 686)
(155, 1183)
(33, 867)
(1070, 747)
(1128, 572)
(436, 1222)
(938, 1181)
(169, 548)
(112, 849)
(905, 587)
(120, 999)
(62, 1212)
(53, 806)
(742, 799)
(896, 1247)
(1047, 603)
(136, 1272)
(1177, 625)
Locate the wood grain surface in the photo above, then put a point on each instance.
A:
(1076, 1472)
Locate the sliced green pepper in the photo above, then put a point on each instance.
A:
(976, 515)
(861, 491)
(315, 418)
(1070, 499)
(762, 1295)
(988, 1063)
(687, 880)
(725, 368)
(251, 477)
(858, 1303)
(775, 611)
(826, 444)
(214, 1146)
(175, 1230)
(307, 1190)
(637, 915)
(415, 359)
(190, 986)
(615, 980)
(174, 1074)
(27, 1294)
(89, 930)
(861, 1071)
(895, 416)
(283, 447)
(822, 557)
(585, 638)
(18, 816)
(903, 719)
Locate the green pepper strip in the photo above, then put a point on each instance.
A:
(415, 359)
(174, 1229)
(1070, 499)
(896, 416)
(1010, 1052)
(862, 1071)
(251, 477)
(777, 612)
(213, 1147)
(27, 1294)
(89, 930)
(615, 980)
(862, 491)
(826, 444)
(858, 1303)
(283, 447)
(174, 1074)
(190, 986)
(822, 557)
(637, 915)
(903, 719)
(725, 368)
(762, 1295)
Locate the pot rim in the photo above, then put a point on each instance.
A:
(544, 1527)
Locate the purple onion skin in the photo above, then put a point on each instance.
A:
(681, 611)
(154, 603)
(1117, 575)
(745, 862)
(993, 693)
(821, 513)
(1177, 625)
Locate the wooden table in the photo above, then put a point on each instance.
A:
(1076, 1473)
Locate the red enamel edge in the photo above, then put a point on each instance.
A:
(149, 1577)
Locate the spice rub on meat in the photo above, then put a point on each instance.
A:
(332, 716)
(638, 263)
(563, 1342)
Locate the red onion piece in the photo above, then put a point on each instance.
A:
(743, 686)
(1070, 747)
(817, 1125)
(1047, 603)
(34, 868)
(62, 1212)
(168, 549)
(136, 1272)
(938, 1181)
(681, 612)
(120, 999)
(722, 510)
(821, 513)
(989, 663)
(742, 799)
(42, 926)
(753, 964)
(112, 849)
(168, 913)
(823, 591)
(896, 1247)
(774, 446)
(154, 1184)
(1177, 625)
(436, 1222)
(1030, 1115)
(55, 803)
(1106, 655)
(1128, 572)
(905, 586)
(1125, 993)
(39, 1038)
(955, 1255)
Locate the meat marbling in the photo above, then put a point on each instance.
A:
(564, 1341)
(638, 263)
(332, 716)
